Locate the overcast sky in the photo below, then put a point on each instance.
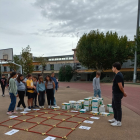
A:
(51, 27)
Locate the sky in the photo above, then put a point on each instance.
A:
(53, 27)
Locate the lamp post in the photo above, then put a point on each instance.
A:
(137, 30)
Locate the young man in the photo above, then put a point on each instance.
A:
(3, 84)
(56, 85)
(96, 85)
(118, 94)
(30, 90)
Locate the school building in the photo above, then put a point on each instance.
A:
(54, 63)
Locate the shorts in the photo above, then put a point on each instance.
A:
(30, 95)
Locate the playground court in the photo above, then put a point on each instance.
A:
(100, 129)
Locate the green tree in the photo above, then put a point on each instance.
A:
(12, 65)
(27, 60)
(99, 51)
(66, 73)
(42, 62)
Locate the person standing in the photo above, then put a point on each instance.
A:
(35, 91)
(118, 94)
(50, 86)
(41, 92)
(21, 92)
(30, 90)
(3, 82)
(13, 93)
(56, 86)
(96, 85)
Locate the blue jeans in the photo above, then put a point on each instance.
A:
(97, 92)
(54, 98)
(13, 102)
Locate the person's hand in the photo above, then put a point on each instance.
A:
(125, 95)
(38, 93)
(34, 87)
(17, 95)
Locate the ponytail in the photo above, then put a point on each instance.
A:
(11, 75)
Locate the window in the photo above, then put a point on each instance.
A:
(5, 69)
(11, 69)
(50, 59)
(67, 58)
(59, 58)
(37, 68)
(70, 58)
(63, 58)
(56, 58)
(52, 67)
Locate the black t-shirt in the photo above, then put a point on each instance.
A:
(117, 79)
(3, 81)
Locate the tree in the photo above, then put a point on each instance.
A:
(98, 51)
(66, 73)
(42, 62)
(15, 60)
(138, 49)
(27, 60)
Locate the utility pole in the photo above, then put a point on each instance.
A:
(137, 30)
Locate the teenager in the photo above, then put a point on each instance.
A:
(56, 86)
(35, 91)
(118, 94)
(13, 93)
(3, 84)
(30, 90)
(21, 92)
(41, 91)
(96, 85)
(50, 86)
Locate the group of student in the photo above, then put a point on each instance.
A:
(32, 87)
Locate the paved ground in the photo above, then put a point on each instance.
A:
(100, 130)
(133, 91)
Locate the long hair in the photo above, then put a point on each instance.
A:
(39, 80)
(49, 78)
(11, 75)
(18, 78)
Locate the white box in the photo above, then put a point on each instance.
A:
(95, 102)
(87, 101)
(102, 108)
(87, 107)
(95, 108)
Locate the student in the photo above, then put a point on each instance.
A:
(21, 92)
(3, 84)
(30, 90)
(41, 92)
(118, 94)
(35, 92)
(13, 93)
(56, 86)
(96, 85)
(50, 86)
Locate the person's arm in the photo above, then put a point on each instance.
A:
(119, 81)
(94, 85)
(122, 89)
(53, 85)
(37, 88)
(28, 85)
(56, 85)
(46, 85)
(13, 87)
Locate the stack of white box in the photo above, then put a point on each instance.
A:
(87, 104)
(102, 108)
(109, 108)
(95, 105)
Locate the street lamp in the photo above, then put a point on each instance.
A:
(137, 30)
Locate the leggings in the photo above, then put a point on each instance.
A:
(21, 97)
(50, 96)
(3, 89)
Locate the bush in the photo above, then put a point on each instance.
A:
(128, 76)
(106, 80)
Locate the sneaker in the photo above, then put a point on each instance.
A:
(112, 121)
(49, 106)
(18, 108)
(36, 106)
(40, 106)
(9, 113)
(55, 105)
(32, 107)
(3, 95)
(27, 109)
(14, 112)
(116, 123)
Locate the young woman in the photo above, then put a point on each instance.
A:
(50, 86)
(35, 92)
(21, 92)
(13, 93)
(41, 92)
